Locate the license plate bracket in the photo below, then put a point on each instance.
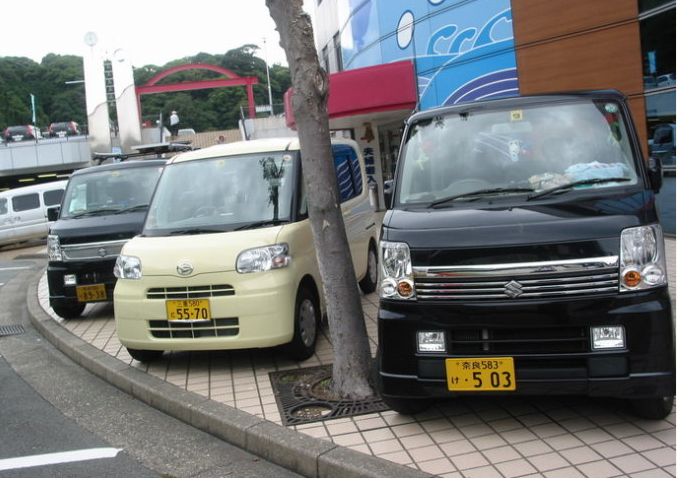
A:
(481, 374)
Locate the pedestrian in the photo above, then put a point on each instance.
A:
(221, 139)
(174, 124)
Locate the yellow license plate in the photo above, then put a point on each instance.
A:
(188, 309)
(481, 374)
(90, 293)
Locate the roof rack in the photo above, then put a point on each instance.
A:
(145, 150)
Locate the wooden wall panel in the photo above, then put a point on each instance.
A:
(537, 20)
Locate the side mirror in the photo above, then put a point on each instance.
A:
(388, 192)
(53, 213)
(373, 197)
(655, 170)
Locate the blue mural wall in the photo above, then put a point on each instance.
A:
(463, 49)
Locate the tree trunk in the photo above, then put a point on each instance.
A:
(347, 329)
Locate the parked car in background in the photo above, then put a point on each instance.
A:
(665, 80)
(185, 131)
(663, 144)
(22, 133)
(66, 128)
(23, 211)
(103, 207)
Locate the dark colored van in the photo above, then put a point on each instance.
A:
(522, 254)
(102, 208)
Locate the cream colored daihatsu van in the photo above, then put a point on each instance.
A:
(226, 257)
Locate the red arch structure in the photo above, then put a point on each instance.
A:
(233, 80)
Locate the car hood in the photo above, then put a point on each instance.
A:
(111, 227)
(207, 253)
(532, 222)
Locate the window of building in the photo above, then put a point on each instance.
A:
(325, 59)
(657, 29)
(337, 52)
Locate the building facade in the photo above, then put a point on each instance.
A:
(465, 50)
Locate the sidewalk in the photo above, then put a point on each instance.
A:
(230, 395)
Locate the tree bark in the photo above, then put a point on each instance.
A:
(352, 356)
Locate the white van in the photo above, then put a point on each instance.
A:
(226, 257)
(23, 211)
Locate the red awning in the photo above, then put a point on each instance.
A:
(373, 89)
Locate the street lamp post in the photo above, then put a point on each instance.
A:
(270, 94)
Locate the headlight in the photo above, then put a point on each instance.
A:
(262, 259)
(642, 258)
(396, 279)
(54, 248)
(127, 267)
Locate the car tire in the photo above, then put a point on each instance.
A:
(407, 406)
(145, 356)
(69, 311)
(368, 282)
(653, 408)
(306, 325)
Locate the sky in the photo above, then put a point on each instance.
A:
(150, 31)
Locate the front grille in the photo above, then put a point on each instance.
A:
(92, 251)
(518, 341)
(164, 329)
(192, 292)
(96, 277)
(518, 280)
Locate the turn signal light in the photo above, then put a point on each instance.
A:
(632, 278)
(405, 288)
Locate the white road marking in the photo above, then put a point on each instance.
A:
(56, 458)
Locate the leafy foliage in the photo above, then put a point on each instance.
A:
(202, 110)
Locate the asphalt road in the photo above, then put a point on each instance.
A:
(50, 405)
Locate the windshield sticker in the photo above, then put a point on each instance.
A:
(516, 115)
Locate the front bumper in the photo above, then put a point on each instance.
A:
(549, 341)
(247, 311)
(86, 272)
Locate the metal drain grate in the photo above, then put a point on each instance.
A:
(300, 398)
(11, 330)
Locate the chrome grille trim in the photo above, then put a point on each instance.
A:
(191, 292)
(91, 250)
(516, 281)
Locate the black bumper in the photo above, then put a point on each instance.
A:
(549, 341)
(87, 273)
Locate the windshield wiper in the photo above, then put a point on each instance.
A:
(582, 182)
(137, 207)
(257, 224)
(95, 212)
(194, 230)
(481, 192)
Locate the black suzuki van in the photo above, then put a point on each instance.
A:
(522, 254)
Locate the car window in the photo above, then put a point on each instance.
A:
(3, 205)
(53, 197)
(348, 172)
(26, 202)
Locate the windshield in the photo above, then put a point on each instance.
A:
(109, 191)
(223, 194)
(504, 153)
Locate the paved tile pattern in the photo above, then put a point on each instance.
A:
(471, 437)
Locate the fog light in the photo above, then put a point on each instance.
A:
(608, 337)
(431, 342)
(70, 279)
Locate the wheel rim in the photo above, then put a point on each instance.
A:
(307, 323)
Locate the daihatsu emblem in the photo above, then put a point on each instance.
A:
(184, 268)
(102, 252)
(513, 289)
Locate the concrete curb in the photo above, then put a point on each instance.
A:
(303, 454)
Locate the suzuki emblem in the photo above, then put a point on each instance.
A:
(513, 289)
(102, 252)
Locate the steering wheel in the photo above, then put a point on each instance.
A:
(467, 185)
(204, 211)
